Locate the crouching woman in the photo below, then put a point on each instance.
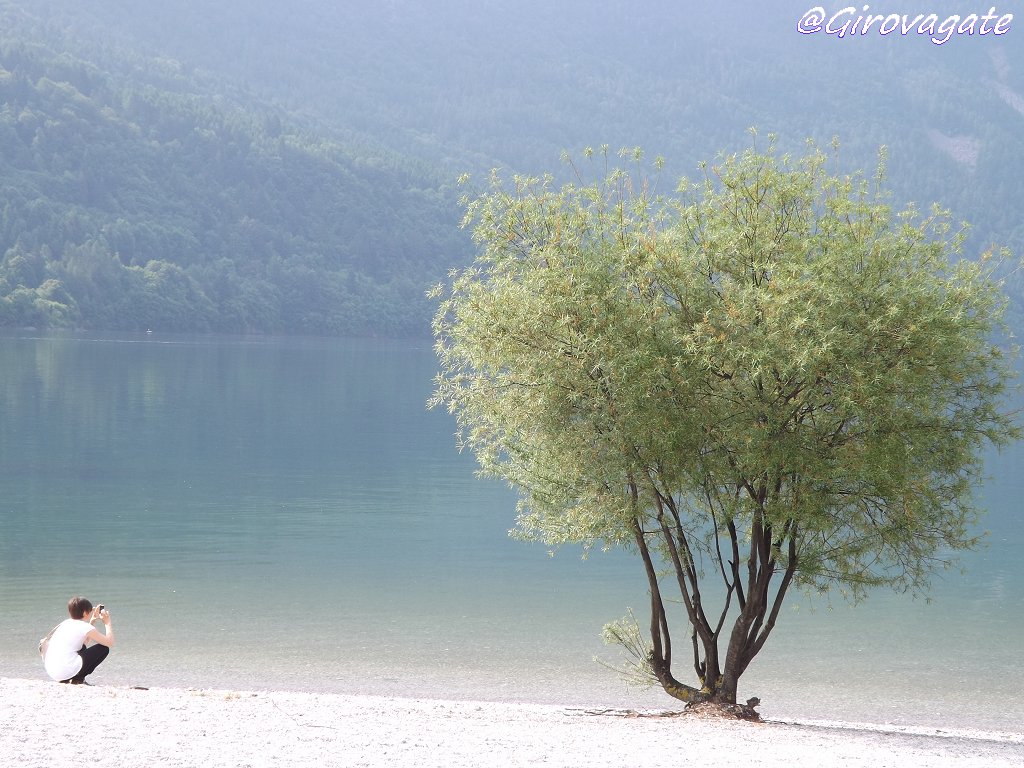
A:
(69, 658)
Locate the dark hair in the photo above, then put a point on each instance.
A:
(79, 607)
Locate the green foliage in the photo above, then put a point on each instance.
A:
(156, 200)
(766, 378)
(627, 634)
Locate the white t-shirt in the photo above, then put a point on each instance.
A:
(62, 661)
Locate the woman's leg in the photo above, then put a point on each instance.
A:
(91, 658)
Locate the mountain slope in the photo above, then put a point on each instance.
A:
(330, 90)
(135, 196)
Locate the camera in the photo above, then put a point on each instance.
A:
(101, 608)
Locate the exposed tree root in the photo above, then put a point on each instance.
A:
(703, 709)
(627, 713)
(708, 709)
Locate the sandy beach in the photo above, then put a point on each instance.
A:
(44, 724)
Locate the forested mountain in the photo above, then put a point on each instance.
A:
(137, 196)
(261, 166)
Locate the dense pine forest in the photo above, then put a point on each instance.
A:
(291, 168)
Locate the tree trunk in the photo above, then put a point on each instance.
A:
(756, 619)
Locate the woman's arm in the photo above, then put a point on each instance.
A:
(107, 639)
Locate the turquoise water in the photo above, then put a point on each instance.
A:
(285, 513)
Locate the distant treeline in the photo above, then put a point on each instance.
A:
(133, 199)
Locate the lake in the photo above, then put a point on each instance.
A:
(269, 513)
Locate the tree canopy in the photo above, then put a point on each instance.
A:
(768, 379)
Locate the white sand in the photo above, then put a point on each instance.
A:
(49, 725)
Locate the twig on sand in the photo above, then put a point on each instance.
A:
(704, 711)
(625, 713)
(292, 718)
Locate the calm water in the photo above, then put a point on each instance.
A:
(282, 513)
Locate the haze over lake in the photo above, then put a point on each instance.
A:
(285, 513)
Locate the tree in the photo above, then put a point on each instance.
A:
(765, 381)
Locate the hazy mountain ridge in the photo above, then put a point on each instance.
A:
(135, 197)
(437, 89)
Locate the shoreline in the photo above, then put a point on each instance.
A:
(44, 724)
